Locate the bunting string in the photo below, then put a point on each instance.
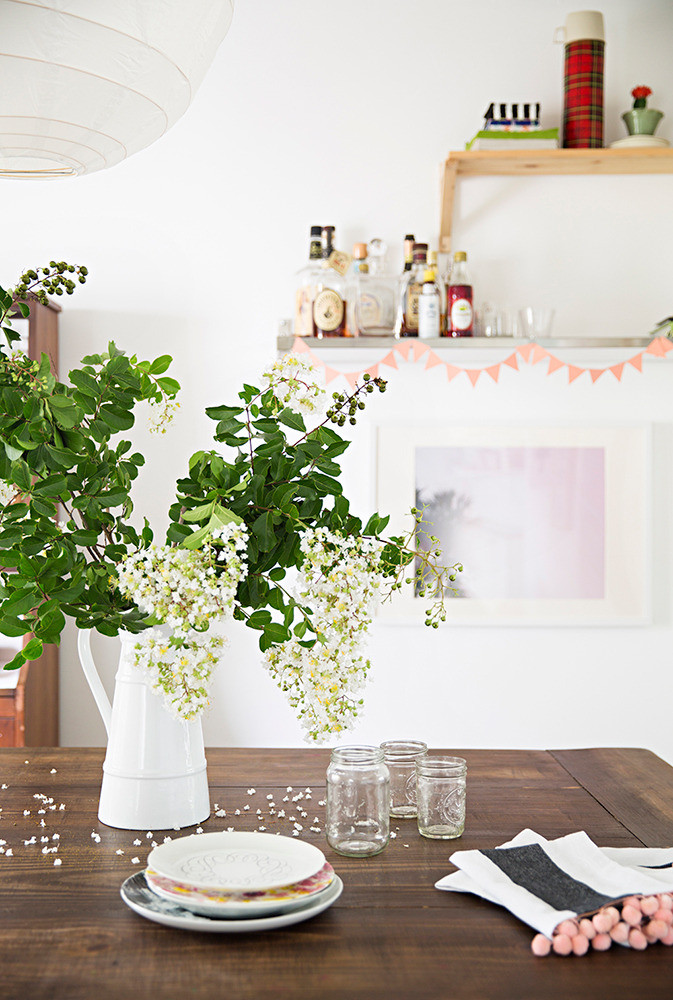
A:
(529, 353)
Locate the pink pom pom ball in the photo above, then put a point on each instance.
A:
(568, 927)
(580, 944)
(637, 939)
(602, 922)
(631, 915)
(587, 928)
(665, 915)
(562, 944)
(601, 942)
(666, 901)
(649, 905)
(668, 939)
(620, 932)
(540, 945)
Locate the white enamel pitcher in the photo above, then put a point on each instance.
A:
(154, 774)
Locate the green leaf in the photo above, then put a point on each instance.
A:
(259, 619)
(66, 414)
(160, 365)
(292, 419)
(169, 385)
(12, 453)
(262, 528)
(33, 649)
(21, 475)
(199, 513)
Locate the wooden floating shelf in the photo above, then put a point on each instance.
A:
(458, 344)
(543, 162)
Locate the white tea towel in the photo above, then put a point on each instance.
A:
(543, 882)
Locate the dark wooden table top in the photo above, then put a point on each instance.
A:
(65, 932)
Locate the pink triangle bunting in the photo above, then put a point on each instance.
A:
(554, 364)
(403, 349)
(433, 360)
(660, 346)
(617, 371)
(373, 371)
(512, 361)
(574, 372)
(636, 361)
(352, 378)
(299, 346)
(389, 360)
(330, 374)
(525, 351)
(473, 374)
(493, 371)
(596, 373)
(418, 350)
(539, 354)
(452, 371)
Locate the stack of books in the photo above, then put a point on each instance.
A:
(514, 132)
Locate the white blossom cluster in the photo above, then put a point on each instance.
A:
(180, 669)
(8, 492)
(161, 414)
(340, 581)
(186, 590)
(294, 384)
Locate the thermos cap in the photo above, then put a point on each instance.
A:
(584, 24)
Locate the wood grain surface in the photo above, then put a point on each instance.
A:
(67, 935)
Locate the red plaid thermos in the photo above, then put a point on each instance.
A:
(584, 37)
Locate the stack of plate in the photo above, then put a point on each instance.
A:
(233, 883)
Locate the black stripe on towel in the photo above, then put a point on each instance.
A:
(534, 870)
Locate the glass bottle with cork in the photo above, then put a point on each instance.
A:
(409, 293)
(371, 294)
(459, 311)
(329, 304)
(306, 282)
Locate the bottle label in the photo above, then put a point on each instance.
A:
(428, 317)
(328, 310)
(369, 310)
(461, 314)
(340, 262)
(303, 311)
(411, 313)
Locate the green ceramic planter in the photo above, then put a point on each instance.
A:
(642, 121)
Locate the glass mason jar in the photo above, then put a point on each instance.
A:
(401, 756)
(358, 800)
(440, 791)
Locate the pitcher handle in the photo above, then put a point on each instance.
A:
(93, 678)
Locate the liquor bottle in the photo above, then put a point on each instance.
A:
(359, 256)
(429, 308)
(459, 313)
(441, 288)
(329, 304)
(408, 251)
(306, 284)
(410, 286)
(372, 295)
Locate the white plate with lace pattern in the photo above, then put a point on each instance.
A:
(236, 862)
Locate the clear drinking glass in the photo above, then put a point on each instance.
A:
(401, 756)
(358, 801)
(440, 792)
(536, 322)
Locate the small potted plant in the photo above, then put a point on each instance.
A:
(641, 120)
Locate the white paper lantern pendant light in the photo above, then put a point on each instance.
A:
(86, 83)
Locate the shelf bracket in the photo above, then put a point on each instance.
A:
(448, 194)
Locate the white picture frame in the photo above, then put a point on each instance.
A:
(607, 579)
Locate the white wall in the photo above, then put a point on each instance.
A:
(342, 113)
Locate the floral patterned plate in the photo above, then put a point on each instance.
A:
(215, 903)
(236, 862)
(139, 897)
